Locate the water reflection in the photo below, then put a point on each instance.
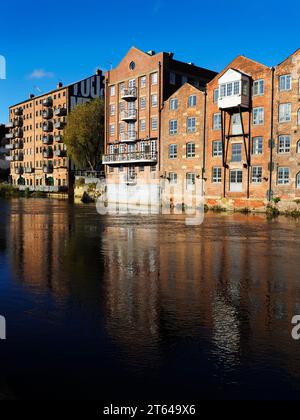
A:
(206, 307)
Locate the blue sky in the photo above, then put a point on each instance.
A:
(46, 42)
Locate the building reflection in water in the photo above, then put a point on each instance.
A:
(231, 285)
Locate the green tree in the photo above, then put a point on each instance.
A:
(84, 134)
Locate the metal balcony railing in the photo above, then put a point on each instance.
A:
(60, 112)
(29, 170)
(48, 154)
(60, 125)
(149, 157)
(58, 138)
(18, 111)
(48, 127)
(19, 170)
(128, 136)
(47, 169)
(130, 115)
(48, 139)
(47, 114)
(48, 101)
(129, 94)
(60, 153)
(19, 133)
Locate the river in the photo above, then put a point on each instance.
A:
(145, 307)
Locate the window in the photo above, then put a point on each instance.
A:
(285, 82)
(154, 78)
(216, 95)
(143, 125)
(217, 148)
(190, 150)
(173, 178)
(257, 174)
(192, 101)
(284, 144)
(173, 127)
(122, 106)
(230, 89)
(283, 176)
(143, 82)
(143, 102)
(191, 125)
(154, 123)
(172, 151)
(132, 65)
(258, 87)
(154, 100)
(142, 168)
(190, 179)
(174, 104)
(112, 129)
(236, 152)
(172, 78)
(142, 146)
(258, 116)
(113, 91)
(298, 147)
(217, 123)
(298, 117)
(111, 149)
(131, 83)
(216, 175)
(122, 127)
(257, 145)
(298, 180)
(285, 113)
(112, 110)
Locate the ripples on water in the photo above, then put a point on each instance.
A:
(145, 307)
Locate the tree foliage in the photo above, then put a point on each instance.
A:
(84, 134)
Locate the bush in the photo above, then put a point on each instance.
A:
(276, 200)
(272, 211)
(8, 190)
(217, 209)
(80, 182)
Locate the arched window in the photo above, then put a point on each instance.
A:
(298, 146)
(298, 180)
(298, 117)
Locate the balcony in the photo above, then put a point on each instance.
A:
(58, 138)
(48, 127)
(48, 154)
(60, 112)
(19, 145)
(9, 146)
(48, 169)
(47, 139)
(18, 122)
(19, 171)
(129, 94)
(29, 170)
(133, 157)
(18, 157)
(9, 158)
(129, 116)
(9, 136)
(18, 111)
(129, 136)
(60, 125)
(9, 125)
(61, 153)
(47, 114)
(48, 102)
(19, 133)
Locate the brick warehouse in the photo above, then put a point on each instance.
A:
(135, 93)
(38, 157)
(251, 159)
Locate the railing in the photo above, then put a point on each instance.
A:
(48, 169)
(19, 171)
(60, 112)
(48, 154)
(44, 188)
(60, 153)
(19, 145)
(18, 122)
(59, 125)
(58, 138)
(47, 139)
(9, 136)
(19, 133)
(18, 111)
(48, 127)
(47, 114)
(89, 174)
(130, 157)
(29, 170)
(9, 146)
(130, 115)
(130, 93)
(129, 136)
(47, 102)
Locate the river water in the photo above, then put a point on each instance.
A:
(145, 307)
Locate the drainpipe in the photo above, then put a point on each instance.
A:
(204, 141)
(271, 136)
(161, 105)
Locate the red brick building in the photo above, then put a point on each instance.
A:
(135, 93)
(253, 149)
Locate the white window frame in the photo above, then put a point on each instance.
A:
(216, 175)
(191, 128)
(217, 148)
(217, 121)
(257, 145)
(192, 101)
(173, 127)
(285, 112)
(282, 178)
(259, 87)
(284, 144)
(154, 123)
(154, 100)
(174, 104)
(190, 150)
(173, 151)
(285, 83)
(154, 78)
(258, 115)
(256, 175)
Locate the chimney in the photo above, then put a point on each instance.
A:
(31, 96)
(59, 85)
(98, 72)
(171, 55)
(151, 52)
